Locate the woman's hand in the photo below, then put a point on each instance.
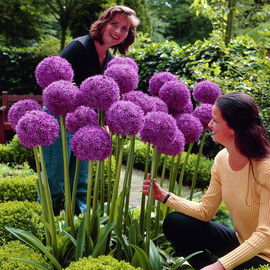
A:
(215, 266)
(158, 193)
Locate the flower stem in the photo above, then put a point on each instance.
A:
(96, 188)
(75, 184)
(197, 166)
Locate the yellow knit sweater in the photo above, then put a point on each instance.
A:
(248, 203)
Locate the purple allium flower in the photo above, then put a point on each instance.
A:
(158, 80)
(141, 99)
(123, 60)
(37, 128)
(175, 148)
(127, 78)
(175, 94)
(204, 113)
(60, 97)
(159, 129)
(190, 126)
(81, 117)
(19, 109)
(98, 92)
(125, 118)
(161, 106)
(206, 92)
(188, 108)
(91, 143)
(53, 68)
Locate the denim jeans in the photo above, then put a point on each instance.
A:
(53, 156)
(189, 235)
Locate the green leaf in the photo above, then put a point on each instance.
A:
(154, 256)
(140, 257)
(122, 242)
(80, 239)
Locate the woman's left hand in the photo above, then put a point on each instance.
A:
(214, 266)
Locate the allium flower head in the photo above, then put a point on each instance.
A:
(37, 128)
(141, 99)
(19, 109)
(91, 143)
(175, 94)
(190, 126)
(81, 117)
(206, 92)
(161, 106)
(175, 148)
(98, 92)
(60, 97)
(186, 109)
(124, 60)
(53, 68)
(125, 118)
(158, 80)
(159, 129)
(204, 113)
(127, 78)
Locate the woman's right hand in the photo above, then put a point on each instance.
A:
(158, 193)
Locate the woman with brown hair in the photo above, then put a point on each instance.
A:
(88, 56)
(240, 178)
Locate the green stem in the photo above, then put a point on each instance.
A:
(68, 208)
(181, 177)
(109, 181)
(49, 204)
(74, 189)
(149, 203)
(96, 188)
(102, 190)
(197, 166)
(88, 207)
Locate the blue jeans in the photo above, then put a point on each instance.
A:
(53, 156)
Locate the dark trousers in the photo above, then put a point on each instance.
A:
(189, 235)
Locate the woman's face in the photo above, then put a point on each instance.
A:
(116, 30)
(221, 132)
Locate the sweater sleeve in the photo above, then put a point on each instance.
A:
(207, 208)
(260, 239)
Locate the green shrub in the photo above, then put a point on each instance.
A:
(101, 263)
(14, 153)
(21, 215)
(15, 249)
(17, 170)
(263, 267)
(18, 189)
(223, 216)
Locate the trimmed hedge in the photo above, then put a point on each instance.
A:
(15, 249)
(100, 263)
(21, 215)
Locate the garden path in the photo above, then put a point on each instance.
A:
(136, 187)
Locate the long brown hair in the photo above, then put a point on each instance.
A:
(97, 28)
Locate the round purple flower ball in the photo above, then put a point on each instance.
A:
(175, 94)
(91, 143)
(206, 92)
(159, 129)
(190, 126)
(60, 97)
(123, 60)
(98, 92)
(37, 128)
(125, 118)
(175, 148)
(141, 99)
(161, 106)
(53, 68)
(158, 80)
(188, 108)
(81, 117)
(19, 109)
(204, 113)
(127, 78)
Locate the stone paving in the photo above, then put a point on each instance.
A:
(136, 186)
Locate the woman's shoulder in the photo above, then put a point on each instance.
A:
(262, 165)
(222, 154)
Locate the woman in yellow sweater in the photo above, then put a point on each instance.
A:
(240, 178)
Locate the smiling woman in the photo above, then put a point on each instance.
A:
(88, 56)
